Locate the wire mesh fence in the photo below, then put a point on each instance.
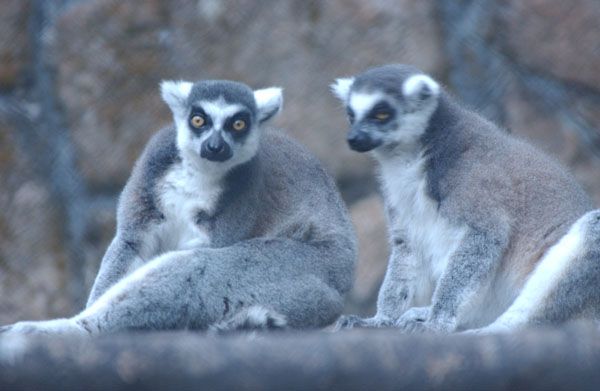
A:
(79, 99)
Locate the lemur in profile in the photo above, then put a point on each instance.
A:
(487, 232)
(220, 226)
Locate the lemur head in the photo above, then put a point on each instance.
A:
(218, 121)
(387, 106)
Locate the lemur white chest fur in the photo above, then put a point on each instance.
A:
(183, 193)
(417, 221)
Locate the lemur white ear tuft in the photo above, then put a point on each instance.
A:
(175, 93)
(341, 88)
(268, 102)
(420, 87)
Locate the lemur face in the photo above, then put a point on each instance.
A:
(387, 106)
(217, 120)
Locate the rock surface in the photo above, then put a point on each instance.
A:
(93, 67)
(373, 250)
(15, 46)
(32, 255)
(110, 58)
(559, 37)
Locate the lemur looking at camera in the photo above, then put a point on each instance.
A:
(221, 225)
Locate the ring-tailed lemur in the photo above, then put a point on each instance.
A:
(485, 229)
(220, 226)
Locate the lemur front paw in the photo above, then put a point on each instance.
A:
(56, 327)
(414, 320)
(419, 320)
(347, 322)
(354, 321)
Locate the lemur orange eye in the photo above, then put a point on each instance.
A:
(382, 116)
(239, 125)
(197, 121)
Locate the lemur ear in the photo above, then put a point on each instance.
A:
(341, 88)
(268, 102)
(420, 88)
(175, 93)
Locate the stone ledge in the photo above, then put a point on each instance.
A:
(566, 358)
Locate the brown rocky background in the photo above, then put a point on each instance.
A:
(79, 99)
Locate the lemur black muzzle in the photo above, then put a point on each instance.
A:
(216, 149)
(361, 141)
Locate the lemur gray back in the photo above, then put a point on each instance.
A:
(469, 157)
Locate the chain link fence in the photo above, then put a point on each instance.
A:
(79, 99)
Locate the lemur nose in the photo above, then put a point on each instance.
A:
(361, 141)
(215, 147)
(356, 138)
(353, 137)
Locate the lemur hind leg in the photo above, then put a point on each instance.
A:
(563, 286)
(314, 304)
(253, 318)
(195, 289)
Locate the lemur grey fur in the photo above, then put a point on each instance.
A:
(487, 232)
(220, 226)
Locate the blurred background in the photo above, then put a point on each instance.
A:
(79, 99)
